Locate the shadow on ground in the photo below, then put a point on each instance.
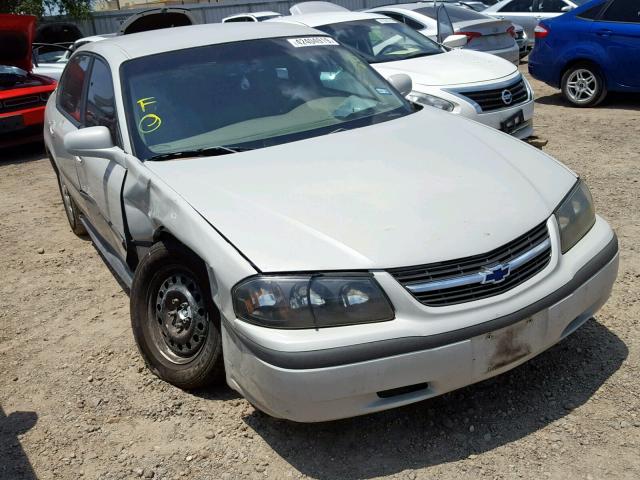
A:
(14, 463)
(502, 410)
(22, 154)
(614, 101)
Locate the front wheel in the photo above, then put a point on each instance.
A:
(175, 324)
(583, 85)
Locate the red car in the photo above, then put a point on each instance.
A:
(23, 95)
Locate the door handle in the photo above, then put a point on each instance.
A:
(604, 32)
(51, 129)
(79, 159)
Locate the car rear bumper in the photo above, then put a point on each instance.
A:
(323, 385)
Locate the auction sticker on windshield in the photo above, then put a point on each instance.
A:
(311, 41)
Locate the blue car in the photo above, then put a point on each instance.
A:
(590, 51)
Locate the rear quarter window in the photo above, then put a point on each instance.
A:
(72, 86)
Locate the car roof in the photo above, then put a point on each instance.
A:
(178, 38)
(325, 18)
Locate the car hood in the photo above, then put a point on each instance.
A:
(16, 37)
(456, 67)
(427, 187)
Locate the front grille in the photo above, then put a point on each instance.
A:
(494, 99)
(439, 278)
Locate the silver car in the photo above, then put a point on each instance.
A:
(286, 220)
(529, 13)
(484, 33)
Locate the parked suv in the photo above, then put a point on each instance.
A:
(590, 51)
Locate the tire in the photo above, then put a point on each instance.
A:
(174, 322)
(583, 85)
(70, 208)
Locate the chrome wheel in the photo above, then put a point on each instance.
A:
(179, 318)
(582, 86)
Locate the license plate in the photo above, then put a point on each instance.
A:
(9, 124)
(501, 348)
(512, 123)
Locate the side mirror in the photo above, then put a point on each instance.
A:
(455, 41)
(401, 82)
(93, 142)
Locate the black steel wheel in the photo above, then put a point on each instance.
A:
(175, 324)
(70, 208)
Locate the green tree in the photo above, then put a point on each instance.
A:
(73, 8)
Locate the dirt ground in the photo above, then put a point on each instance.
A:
(77, 402)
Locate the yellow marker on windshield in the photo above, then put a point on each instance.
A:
(149, 123)
(143, 102)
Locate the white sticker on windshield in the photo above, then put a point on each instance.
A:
(311, 41)
(385, 20)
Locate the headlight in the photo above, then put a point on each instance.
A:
(431, 101)
(311, 301)
(575, 216)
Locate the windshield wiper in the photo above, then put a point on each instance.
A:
(199, 152)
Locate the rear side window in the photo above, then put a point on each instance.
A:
(72, 85)
(627, 11)
(591, 13)
(101, 107)
(518, 6)
(551, 6)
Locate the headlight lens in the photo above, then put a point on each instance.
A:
(431, 101)
(311, 301)
(575, 216)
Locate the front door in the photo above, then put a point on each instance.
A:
(100, 179)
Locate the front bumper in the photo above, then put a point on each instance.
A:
(327, 384)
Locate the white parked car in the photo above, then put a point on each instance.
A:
(251, 17)
(484, 33)
(331, 248)
(529, 13)
(477, 85)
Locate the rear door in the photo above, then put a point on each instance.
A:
(68, 115)
(618, 31)
(100, 179)
(520, 12)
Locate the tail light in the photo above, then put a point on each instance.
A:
(512, 31)
(541, 31)
(470, 35)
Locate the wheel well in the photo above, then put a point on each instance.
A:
(578, 61)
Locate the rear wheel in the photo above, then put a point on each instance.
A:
(70, 209)
(174, 321)
(583, 85)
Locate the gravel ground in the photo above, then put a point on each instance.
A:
(77, 402)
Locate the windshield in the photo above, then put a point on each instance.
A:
(251, 94)
(382, 39)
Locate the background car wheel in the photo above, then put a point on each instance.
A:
(583, 85)
(175, 324)
(70, 209)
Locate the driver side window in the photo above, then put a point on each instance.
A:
(551, 6)
(100, 109)
(518, 6)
